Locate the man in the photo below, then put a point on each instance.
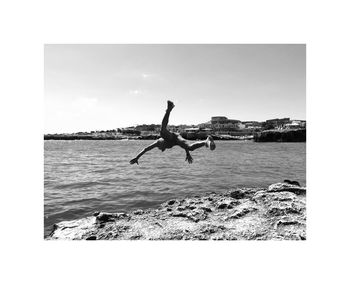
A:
(170, 139)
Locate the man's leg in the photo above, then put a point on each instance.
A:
(193, 146)
(197, 145)
(208, 143)
(187, 146)
(164, 132)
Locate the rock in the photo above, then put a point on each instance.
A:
(237, 194)
(274, 213)
(179, 214)
(286, 223)
(206, 209)
(135, 237)
(139, 212)
(108, 217)
(278, 211)
(278, 187)
(291, 182)
(91, 238)
(240, 213)
(171, 202)
(292, 135)
(222, 206)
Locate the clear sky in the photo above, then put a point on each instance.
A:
(100, 87)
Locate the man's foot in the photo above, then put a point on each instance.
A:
(210, 143)
(170, 105)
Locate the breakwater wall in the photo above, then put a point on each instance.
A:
(297, 135)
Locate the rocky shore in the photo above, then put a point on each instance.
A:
(274, 213)
(286, 135)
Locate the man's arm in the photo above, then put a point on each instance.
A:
(183, 144)
(148, 148)
(189, 158)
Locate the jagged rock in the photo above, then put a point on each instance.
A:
(274, 213)
(222, 206)
(108, 217)
(139, 212)
(240, 213)
(294, 182)
(278, 187)
(179, 214)
(91, 238)
(171, 202)
(206, 209)
(237, 194)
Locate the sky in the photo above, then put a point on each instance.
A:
(99, 87)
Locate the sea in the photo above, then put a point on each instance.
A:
(81, 176)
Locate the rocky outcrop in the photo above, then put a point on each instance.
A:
(274, 213)
(297, 135)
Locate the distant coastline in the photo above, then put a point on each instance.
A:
(289, 135)
(133, 137)
(219, 127)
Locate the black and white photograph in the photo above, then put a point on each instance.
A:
(175, 142)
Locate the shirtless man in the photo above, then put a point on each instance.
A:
(170, 139)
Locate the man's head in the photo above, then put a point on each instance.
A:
(161, 144)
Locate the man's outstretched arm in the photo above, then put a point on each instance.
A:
(148, 148)
(189, 158)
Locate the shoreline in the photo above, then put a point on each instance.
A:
(277, 212)
(145, 137)
(292, 135)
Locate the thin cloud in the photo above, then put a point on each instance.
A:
(147, 75)
(135, 92)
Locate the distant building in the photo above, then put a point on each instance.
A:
(223, 120)
(252, 124)
(278, 122)
(222, 123)
(296, 124)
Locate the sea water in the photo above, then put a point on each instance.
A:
(81, 177)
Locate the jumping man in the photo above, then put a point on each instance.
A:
(170, 139)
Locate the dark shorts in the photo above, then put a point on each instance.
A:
(171, 139)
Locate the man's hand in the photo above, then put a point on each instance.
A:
(134, 160)
(189, 158)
